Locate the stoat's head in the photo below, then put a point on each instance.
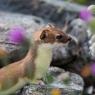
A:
(51, 34)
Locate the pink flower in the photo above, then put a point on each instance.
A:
(17, 34)
(85, 15)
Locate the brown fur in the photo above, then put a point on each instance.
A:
(15, 70)
(51, 32)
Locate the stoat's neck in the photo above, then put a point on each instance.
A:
(29, 64)
(32, 52)
(29, 55)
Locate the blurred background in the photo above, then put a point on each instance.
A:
(56, 11)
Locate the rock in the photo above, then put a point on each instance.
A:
(92, 47)
(60, 53)
(92, 50)
(92, 40)
(78, 28)
(72, 86)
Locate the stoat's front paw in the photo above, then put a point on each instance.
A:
(38, 82)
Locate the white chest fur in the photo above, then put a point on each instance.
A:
(43, 60)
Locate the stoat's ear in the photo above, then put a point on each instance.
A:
(45, 31)
(43, 34)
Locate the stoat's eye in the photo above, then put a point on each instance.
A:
(59, 36)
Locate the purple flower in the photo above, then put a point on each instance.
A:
(93, 69)
(85, 15)
(17, 34)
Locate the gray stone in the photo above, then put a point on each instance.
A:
(72, 84)
(78, 28)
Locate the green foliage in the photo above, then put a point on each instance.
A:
(48, 78)
(80, 1)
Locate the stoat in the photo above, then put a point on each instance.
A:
(33, 66)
